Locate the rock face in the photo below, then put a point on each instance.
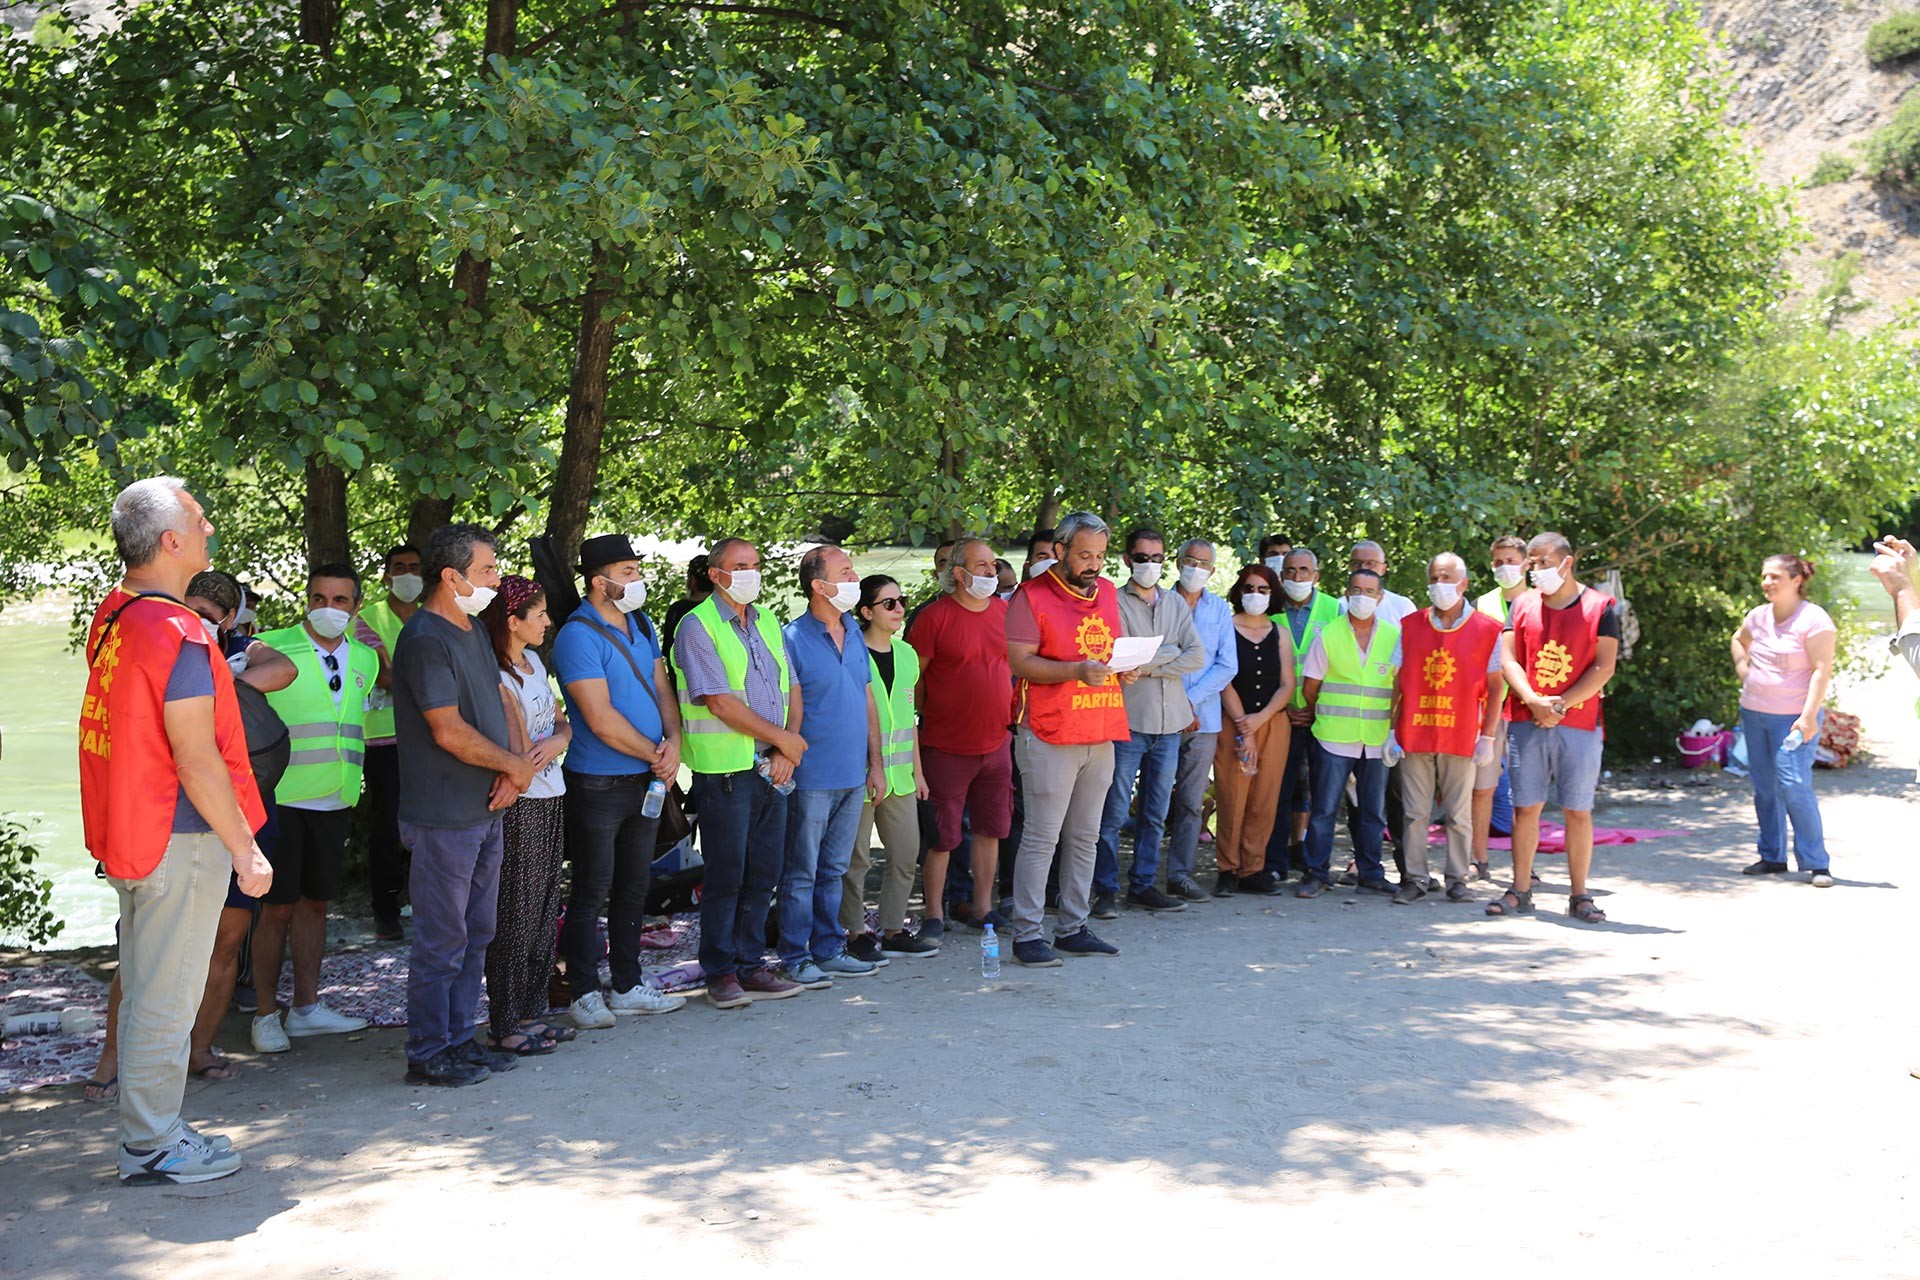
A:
(1802, 88)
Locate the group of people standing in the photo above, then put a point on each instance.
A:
(998, 712)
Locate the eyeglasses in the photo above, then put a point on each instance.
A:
(1188, 562)
(890, 602)
(333, 665)
(1141, 557)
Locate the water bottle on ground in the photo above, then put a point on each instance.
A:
(989, 954)
(51, 1022)
(656, 799)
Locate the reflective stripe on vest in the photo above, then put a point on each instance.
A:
(711, 746)
(328, 740)
(386, 624)
(1356, 699)
(896, 717)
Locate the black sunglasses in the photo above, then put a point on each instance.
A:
(1141, 557)
(333, 665)
(890, 602)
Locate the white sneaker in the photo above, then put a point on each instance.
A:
(268, 1035)
(189, 1158)
(322, 1021)
(642, 998)
(589, 1012)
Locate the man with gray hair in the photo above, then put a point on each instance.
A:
(1213, 624)
(457, 772)
(1060, 632)
(1444, 720)
(170, 805)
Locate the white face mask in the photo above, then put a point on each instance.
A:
(1039, 567)
(1255, 602)
(1276, 563)
(980, 588)
(845, 595)
(1147, 575)
(1548, 581)
(632, 595)
(328, 624)
(406, 587)
(743, 586)
(1361, 607)
(1296, 591)
(213, 632)
(1444, 595)
(1193, 577)
(474, 604)
(1509, 576)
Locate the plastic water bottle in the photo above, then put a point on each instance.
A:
(51, 1022)
(1792, 742)
(656, 799)
(989, 954)
(1244, 753)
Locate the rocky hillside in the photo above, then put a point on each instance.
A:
(1803, 90)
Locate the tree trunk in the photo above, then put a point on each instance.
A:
(572, 496)
(503, 18)
(426, 515)
(1047, 514)
(325, 514)
(319, 20)
(950, 468)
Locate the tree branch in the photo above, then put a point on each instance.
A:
(623, 7)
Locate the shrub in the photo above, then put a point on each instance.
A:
(1892, 154)
(1894, 38)
(1833, 167)
(25, 894)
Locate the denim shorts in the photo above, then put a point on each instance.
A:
(1567, 759)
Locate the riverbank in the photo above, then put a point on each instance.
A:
(1715, 1079)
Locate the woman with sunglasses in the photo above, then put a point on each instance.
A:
(896, 670)
(1252, 754)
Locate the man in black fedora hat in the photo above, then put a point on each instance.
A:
(626, 734)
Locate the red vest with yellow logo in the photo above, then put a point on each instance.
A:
(1555, 647)
(129, 783)
(1443, 682)
(1073, 628)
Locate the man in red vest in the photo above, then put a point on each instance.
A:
(1559, 650)
(170, 805)
(1448, 709)
(1069, 711)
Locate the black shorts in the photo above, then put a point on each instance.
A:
(306, 853)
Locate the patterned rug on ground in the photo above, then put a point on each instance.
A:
(36, 1061)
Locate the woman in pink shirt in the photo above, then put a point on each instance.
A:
(1783, 654)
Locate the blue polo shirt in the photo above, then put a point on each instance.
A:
(587, 652)
(833, 704)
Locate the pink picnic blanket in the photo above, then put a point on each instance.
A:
(34, 1062)
(1553, 836)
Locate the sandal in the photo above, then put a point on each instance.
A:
(548, 1031)
(101, 1090)
(1511, 903)
(219, 1069)
(1582, 908)
(1481, 871)
(530, 1046)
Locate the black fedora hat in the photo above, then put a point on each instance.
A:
(608, 548)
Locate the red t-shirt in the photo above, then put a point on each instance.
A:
(966, 686)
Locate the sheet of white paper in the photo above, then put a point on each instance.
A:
(1133, 651)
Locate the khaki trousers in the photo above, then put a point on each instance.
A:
(167, 924)
(1423, 775)
(1244, 805)
(1065, 788)
(898, 818)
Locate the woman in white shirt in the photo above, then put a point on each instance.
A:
(520, 958)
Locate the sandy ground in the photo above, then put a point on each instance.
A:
(1714, 1083)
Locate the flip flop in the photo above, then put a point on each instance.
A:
(548, 1031)
(101, 1090)
(219, 1069)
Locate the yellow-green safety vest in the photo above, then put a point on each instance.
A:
(386, 624)
(711, 746)
(1324, 610)
(1494, 605)
(1356, 698)
(896, 716)
(328, 740)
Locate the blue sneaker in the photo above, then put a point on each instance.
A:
(809, 975)
(845, 966)
(188, 1158)
(1084, 943)
(1035, 954)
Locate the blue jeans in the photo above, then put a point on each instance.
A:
(743, 830)
(821, 826)
(1330, 773)
(1153, 758)
(454, 884)
(1190, 781)
(1783, 790)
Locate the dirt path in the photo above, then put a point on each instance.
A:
(1714, 1084)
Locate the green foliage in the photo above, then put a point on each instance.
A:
(25, 894)
(1893, 38)
(1892, 154)
(1832, 167)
